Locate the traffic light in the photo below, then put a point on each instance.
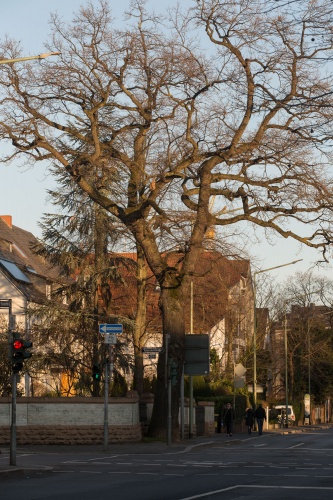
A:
(19, 353)
(173, 371)
(96, 372)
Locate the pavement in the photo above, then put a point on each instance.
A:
(24, 469)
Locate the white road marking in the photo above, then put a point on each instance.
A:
(295, 475)
(265, 475)
(179, 475)
(62, 471)
(254, 466)
(147, 473)
(295, 446)
(100, 463)
(235, 474)
(176, 465)
(305, 468)
(74, 462)
(253, 486)
(120, 472)
(207, 474)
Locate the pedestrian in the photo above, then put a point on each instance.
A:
(260, 415)
(249, 419)
(228, 418)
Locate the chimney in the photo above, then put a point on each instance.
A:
(7, 219)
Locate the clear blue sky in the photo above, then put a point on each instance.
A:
(23, 192)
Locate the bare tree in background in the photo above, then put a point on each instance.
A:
(231, 100)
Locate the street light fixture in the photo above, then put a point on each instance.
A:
(29, 58)
(255, 324)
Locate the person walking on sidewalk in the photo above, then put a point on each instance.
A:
(249, 419)
(228, 419)
(260, 415)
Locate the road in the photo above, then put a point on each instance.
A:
(273, 466)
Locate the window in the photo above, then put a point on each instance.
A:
(14, 271)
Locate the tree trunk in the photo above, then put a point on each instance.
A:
(140, 321)
(174, 327)
(100, 249)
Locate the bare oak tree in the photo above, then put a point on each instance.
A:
(231, 100)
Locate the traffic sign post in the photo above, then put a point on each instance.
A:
(110, 328)
(148, 350)
(110, 338)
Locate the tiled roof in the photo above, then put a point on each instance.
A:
(16, 247)
(215, 275)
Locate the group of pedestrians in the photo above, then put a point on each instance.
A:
(250, 415)
(228, 417)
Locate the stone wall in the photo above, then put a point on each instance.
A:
(204, 416)
(70, 420)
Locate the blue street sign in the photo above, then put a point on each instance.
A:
(110, 328)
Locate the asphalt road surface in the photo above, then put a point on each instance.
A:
(271, 466)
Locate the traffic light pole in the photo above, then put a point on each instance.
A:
(17, 353)
(107, 374)
(13, 429)
(13, 434)
(106, 405)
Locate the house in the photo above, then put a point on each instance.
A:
(219, 301)
(25, 278)
(297, 332)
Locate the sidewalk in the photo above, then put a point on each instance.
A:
(155, 447)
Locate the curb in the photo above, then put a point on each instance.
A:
(17, 471)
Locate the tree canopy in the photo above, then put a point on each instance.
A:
(228, 100)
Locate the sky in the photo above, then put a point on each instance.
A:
(23, 192)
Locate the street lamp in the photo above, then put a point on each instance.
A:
(286, 352)
(255, 324)
(29, 58)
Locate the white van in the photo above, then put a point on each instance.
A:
(281, 412)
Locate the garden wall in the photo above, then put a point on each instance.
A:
(70, 420)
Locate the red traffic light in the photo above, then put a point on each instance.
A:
(18, 344)
(20, 353)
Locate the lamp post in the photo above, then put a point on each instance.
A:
(255, 324)
(29, 58)
(286, 353)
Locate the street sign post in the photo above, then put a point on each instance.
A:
(196, 354)
(110, 328)
(148, 350)
(110, 338)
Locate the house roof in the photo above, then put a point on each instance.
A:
(214, 277)
(20, 264)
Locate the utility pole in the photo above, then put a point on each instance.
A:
(255, 324)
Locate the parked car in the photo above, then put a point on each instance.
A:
(280, 411)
